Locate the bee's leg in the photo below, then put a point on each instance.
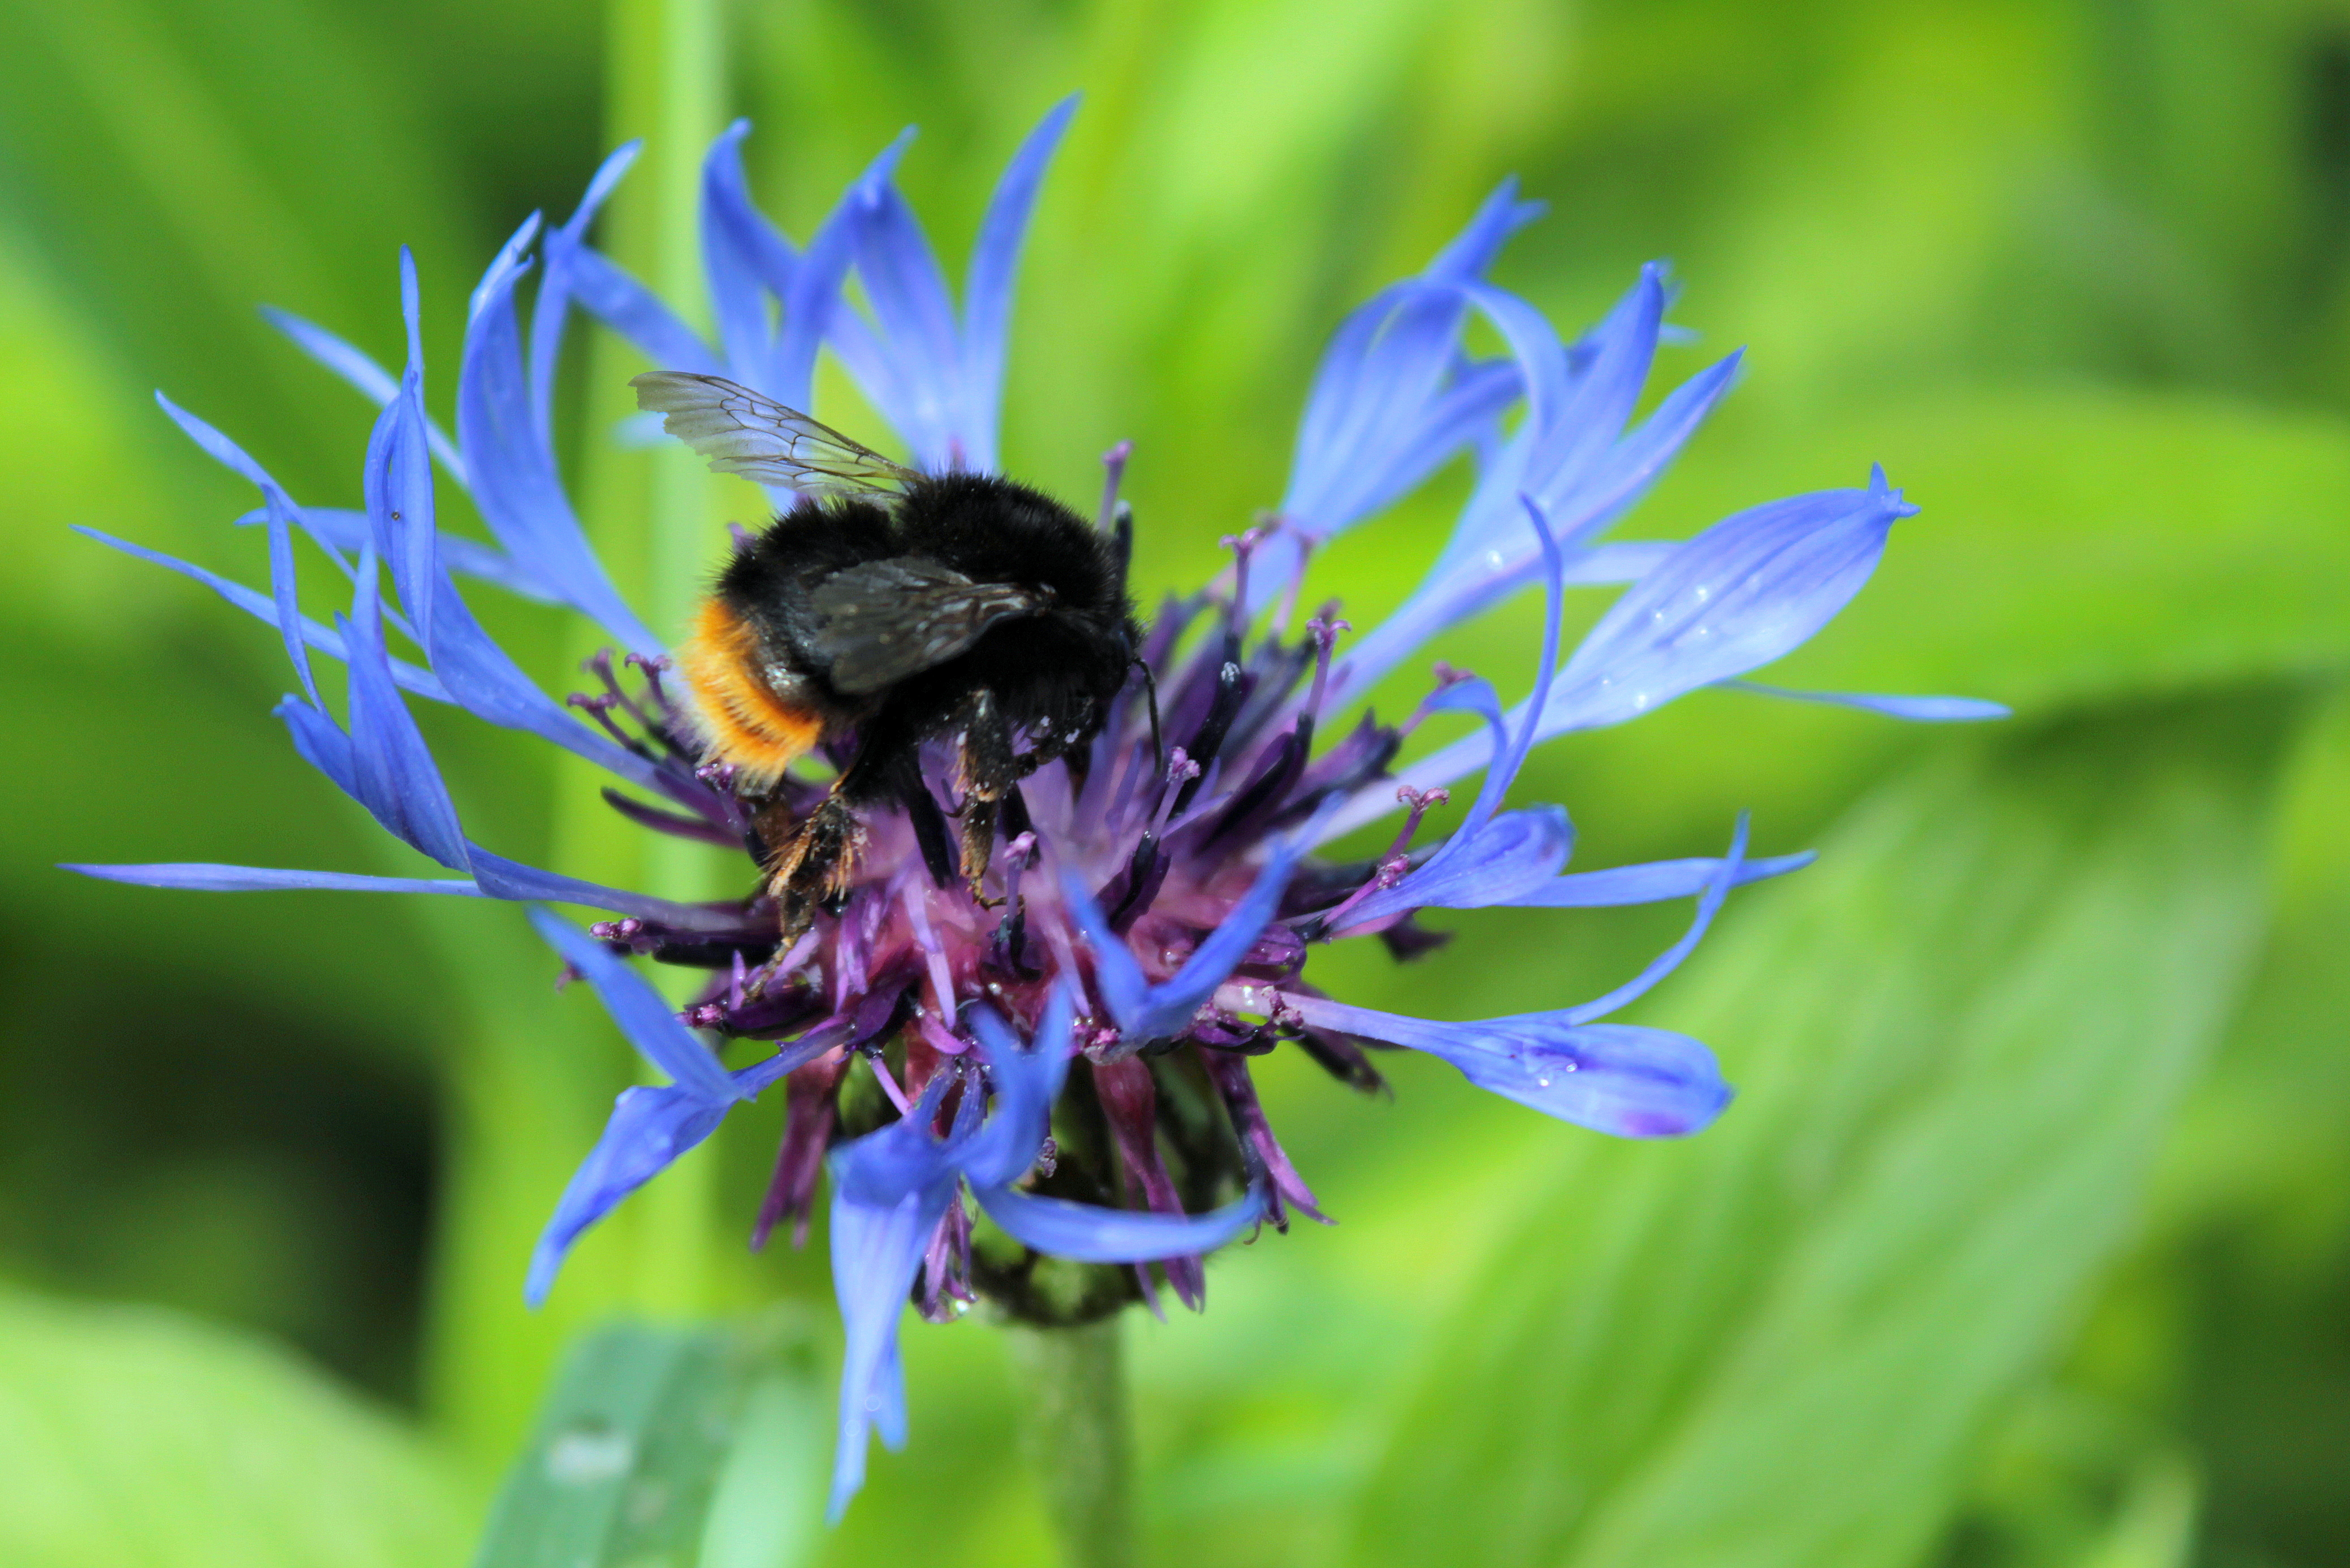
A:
(815, 865)
(987, 771)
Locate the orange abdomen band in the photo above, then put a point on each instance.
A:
(744, 720)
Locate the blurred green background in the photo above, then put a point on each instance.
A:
(2028, 1241)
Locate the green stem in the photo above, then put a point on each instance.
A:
(649, 513)
(1075, 1429)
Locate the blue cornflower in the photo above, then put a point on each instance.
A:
(1073, 1053)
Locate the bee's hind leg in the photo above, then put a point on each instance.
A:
(814, 867)
(987, 770)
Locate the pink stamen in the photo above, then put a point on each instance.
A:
(1242, 545)
(600, 666)
(1447, 677)
(1016, 854)
(599, 708)
(944, 1041)
(1114, 473)
(918, 914)
(1204, 800)
(653, 665)
(1181, 771)
(1324, 628)
(890, 1084)
(1419, 805)
(1389, 873)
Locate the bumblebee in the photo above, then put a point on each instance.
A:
(887, 608)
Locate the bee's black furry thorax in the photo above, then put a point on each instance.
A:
(1046, 668)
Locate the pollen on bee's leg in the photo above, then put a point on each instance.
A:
(978, 835)
(815, 868)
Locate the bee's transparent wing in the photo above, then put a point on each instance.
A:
(742, 432)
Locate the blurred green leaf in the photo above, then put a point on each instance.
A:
(672, 1447)
(137, 1436)
(1960, 1040)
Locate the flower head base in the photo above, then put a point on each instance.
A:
(1066, 1048)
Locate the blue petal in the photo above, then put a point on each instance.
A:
(1717, 888)
(987, 287)
(1027, 1082)
(1124, 990)
(503, 878)
(1466, 865)
(550, 315)
(1502, 771)
(392, 771)
(205, 878)
(515, 482)
(1157, 1011)
(1636, 461)
(914, 322)
(1468, 409)
(640, 1012)
(483, 680)
(260, 606)
(876, 1251)
(1500, 216)
(1091, 1235)
(320, 741)
(649, 1130)
(814, 312)
(606, 290)
(1746, 591)
(1518, 854)
(1490, 558)
(900, 1156)
(1437, 603)
(1623, 346)
(1632, 1082)
(374, 383)
(1391, 401)
(1648, 884)
(1921, 709)
(341, 528)
(1615, 1079)
(1541, 357)
(281, 513)
(397, 480)
(745, 257)
(890, 1189)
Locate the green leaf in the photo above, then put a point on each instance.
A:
(1960, 1040)
(132, 1434)
(672, 1447)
